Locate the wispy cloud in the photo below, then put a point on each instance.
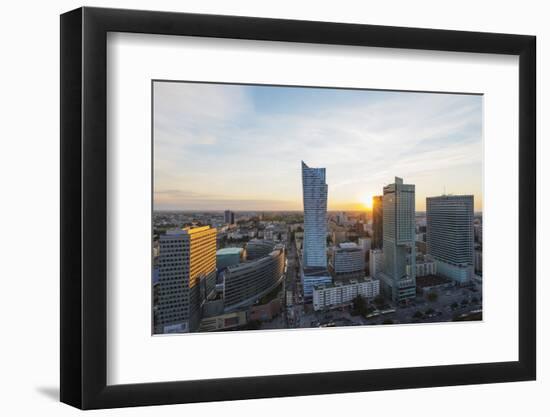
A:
(234, 144)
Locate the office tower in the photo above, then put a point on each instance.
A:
(315, 190)
(377, 222)
(229, 217)
(314, 254)
(450, 235)
(187, 275)
(399, 229)
(347, 262)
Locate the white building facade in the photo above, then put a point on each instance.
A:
(424, 268)
(331, 296)
(365, 243)
(348, 260)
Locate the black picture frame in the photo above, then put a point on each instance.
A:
(84, 207)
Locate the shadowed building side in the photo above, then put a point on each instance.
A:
(377, 222)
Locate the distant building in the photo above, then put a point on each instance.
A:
(376, 262)
(478, 264)
(377, 222)
(347, 262)
(331, 296)
(399, 229)
(339, 236)
(421, 247)
(245, 283)
(478, 233)
(187, 274)
(365, 244)
(229, 217)
(341, 218)
(450, 235)
(229, 256)
(424, 268)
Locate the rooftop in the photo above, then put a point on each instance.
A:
(348, 245)
(192, 230)
(315, 271)
(229, 251)
(431, 280)
(345, 284)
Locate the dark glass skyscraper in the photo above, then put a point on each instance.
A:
(377, 222)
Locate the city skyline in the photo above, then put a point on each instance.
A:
(238, 147)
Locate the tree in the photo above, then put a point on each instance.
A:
(359, 305)
(464, 301)
(418, 314)
(387, 321)
(432, 296)
(253, 325)
(379, 300)
(430, 311)
(454, 305)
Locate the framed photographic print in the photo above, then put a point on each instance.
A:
(258, 207)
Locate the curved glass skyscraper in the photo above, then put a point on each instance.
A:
(315, 190)
(314, 256)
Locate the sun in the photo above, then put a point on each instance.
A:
(367, 202)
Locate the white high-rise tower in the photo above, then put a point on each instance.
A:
(450, 235)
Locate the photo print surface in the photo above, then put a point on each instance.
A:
(284, 207)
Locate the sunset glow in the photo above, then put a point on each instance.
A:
(239, 147)
(367, 202)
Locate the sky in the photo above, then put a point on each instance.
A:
(240, 147)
